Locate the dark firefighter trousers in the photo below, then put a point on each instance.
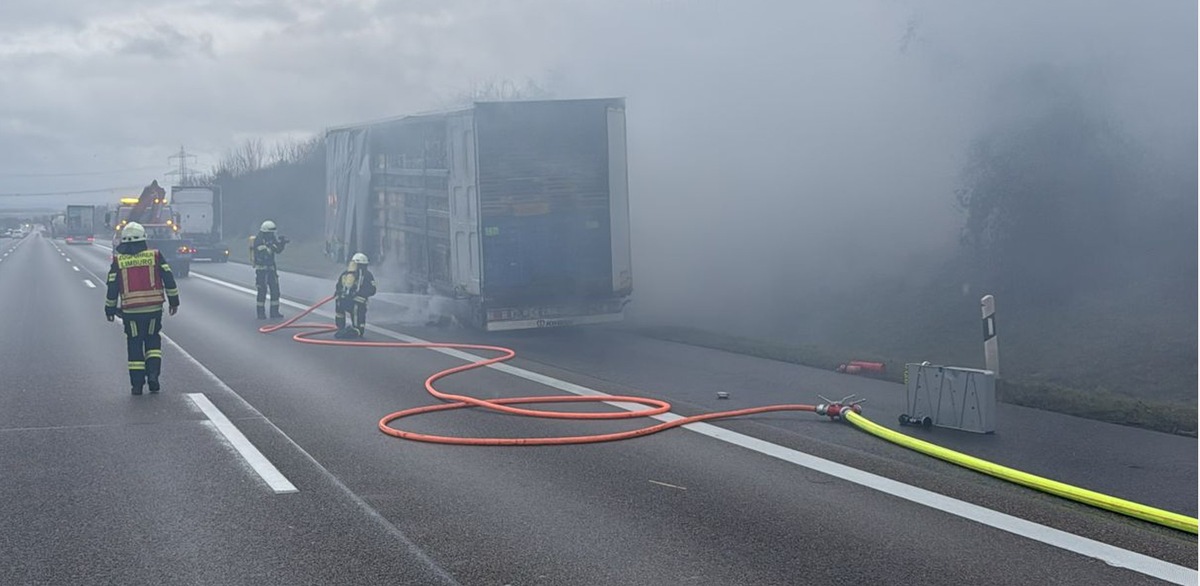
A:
(143, 336)
(264, 280)
(357, 312)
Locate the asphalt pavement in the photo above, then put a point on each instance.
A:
(103, 487)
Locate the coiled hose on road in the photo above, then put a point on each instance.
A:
(453, 401)
(848, 412)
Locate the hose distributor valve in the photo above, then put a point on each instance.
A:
(834, 409)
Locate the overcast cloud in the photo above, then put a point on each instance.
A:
(772, 133)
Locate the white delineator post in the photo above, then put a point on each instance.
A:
(991, 351)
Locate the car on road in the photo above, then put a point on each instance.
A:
(177, 251)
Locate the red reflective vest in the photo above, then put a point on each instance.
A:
(140, 284)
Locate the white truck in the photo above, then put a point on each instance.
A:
(199, 212)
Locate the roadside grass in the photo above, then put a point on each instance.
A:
(303, 257)
(1099, 404)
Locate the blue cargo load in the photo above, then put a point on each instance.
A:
(520, 210)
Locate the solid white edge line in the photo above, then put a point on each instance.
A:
(89, 283)
(1109, 554)
(261, 465)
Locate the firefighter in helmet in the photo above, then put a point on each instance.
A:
(263, 248)
(138, 280)
(354, 287)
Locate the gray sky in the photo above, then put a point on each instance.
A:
(761, 132)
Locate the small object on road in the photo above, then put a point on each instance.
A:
(861, 366)
(722, 395)
(668, 485)
(916, 421)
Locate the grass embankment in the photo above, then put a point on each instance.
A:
(303, 257)
(1165, 416)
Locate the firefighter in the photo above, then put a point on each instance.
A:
(263, 249)
(137, 280)
(354, 287)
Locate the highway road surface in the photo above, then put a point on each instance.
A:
(261, 463)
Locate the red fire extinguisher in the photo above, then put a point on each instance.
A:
(861, 366)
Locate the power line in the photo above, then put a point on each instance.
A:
(71, 192)
(81, 173)
(183, 173)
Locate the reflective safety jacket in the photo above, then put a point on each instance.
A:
(137, 283)
(263, 250)
(355, 285)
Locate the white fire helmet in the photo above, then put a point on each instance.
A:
(133, 232)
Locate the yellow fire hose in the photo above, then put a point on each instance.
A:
(1095, 499)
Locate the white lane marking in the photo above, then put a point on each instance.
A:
(265, 469)
(75, 267)
(89, 283)
(1111, 555)
(362, 504)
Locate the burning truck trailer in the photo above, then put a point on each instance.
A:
(517, 211)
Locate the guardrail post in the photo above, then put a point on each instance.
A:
(991, 350)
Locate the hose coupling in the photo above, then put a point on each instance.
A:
(835, 409)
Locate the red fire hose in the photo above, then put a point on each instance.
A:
(832, 409)
(454, 401)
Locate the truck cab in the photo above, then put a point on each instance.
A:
(197, 210)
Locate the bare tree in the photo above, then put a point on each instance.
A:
(245, 158)
(294, 150)
(498, 90)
